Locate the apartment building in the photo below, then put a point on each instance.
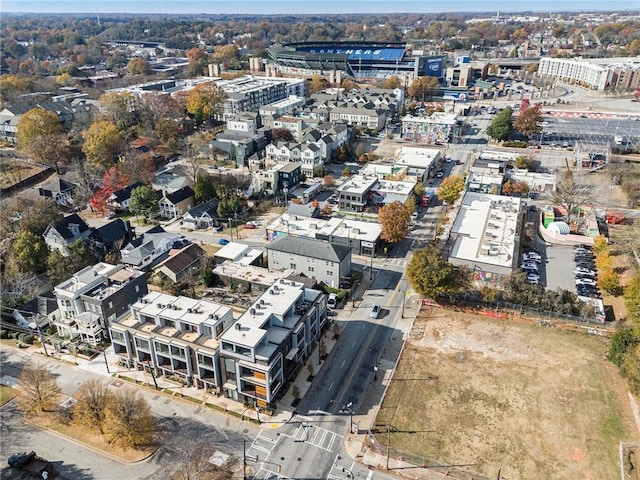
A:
(598, 74)
(174, 337)
(264, 348)
(95, 297)
(308, 155)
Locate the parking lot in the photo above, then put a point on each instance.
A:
(565, 132)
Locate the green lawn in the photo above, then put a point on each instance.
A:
(6, 394)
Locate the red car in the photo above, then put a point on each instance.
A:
(249, 226)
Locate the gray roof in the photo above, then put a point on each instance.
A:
(308, 247)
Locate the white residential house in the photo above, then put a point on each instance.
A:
(149, 249)
(60, 235)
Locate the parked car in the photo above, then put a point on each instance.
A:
(527, 257)
(257, 223)
(586, 281)
(375, 311)
(223, 241)
(529, 266)
(533, 278)
(531, 254)
(249, 226)
(440, 174)
(584, 271)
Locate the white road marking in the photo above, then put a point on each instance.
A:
(330, 386)
(343, 362)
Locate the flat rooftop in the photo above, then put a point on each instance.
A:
(334, 227)
(250, 273)
(485, 229)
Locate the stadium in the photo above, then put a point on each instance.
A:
(359, 60)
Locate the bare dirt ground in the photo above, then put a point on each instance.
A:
(490, 395)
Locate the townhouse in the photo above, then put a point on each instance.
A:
(174, 337)
(270, 341)
(95, 297)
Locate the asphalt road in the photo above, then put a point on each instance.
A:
(180, 423)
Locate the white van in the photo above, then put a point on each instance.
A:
(332, 301)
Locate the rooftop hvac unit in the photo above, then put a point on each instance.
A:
(189, 310)
(238, 326)
(252, 311)
(281, 281)
(262, 301)
(159, 305)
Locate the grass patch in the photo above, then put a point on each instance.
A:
(7, 394)
(534, 402)
(89, 437)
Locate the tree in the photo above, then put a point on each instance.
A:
(92, 400)
(419, 190)
(118, 108)
(194, 463)
(520, 187)
(573, 192)
(422, 87)
(60, 267)
(632, 300)
(622, 342)
(40, 136)
(450, 189)
(328, 181)
(204, 188)
(609, 281)
(600, 245)
(29, 252)
(138, 66)
(317, 84)
(40, 389)
(431, 275)
(198, 60)
(501, 127)
(38, 215)
(630, 369)
(346, 172)
(102, 144)
(528, 120)
(112, 181)
(281, 134)
(394, 220)
(128, 420)
(229, 205)
(137, 167)
(206, 101)
(392, 82)
(144, 201)
(524, 162)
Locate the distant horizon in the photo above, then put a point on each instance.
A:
(292, 7)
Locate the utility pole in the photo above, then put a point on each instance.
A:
(106, 363)
(244, 459)
(388, 443)
(153, 374)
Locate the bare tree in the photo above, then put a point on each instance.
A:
(40, 388)
(128, 421)
(196, 464)
(573, 191)
(92, 401)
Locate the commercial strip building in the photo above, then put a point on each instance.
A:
(198, 342)
(438, 128)
(362, 237)
(485, 236)
(600, 74)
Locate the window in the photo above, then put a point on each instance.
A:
(206, 330)
(140, 343)
(311, 269)
(293, 266)
(110, 304)
(137, 288)
(330, 273)
(117, 336)
(219, 329)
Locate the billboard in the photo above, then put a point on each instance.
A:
(433, 66)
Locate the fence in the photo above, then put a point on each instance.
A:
(544, 318)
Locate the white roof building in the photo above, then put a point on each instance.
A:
(485, 235)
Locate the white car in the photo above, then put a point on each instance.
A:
(531, 257)
(533, 279)
(529, 266)
(586, 281)
(255, 223)
(375, 311)
(584, 271)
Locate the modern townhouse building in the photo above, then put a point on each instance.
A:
(308, 155)
(174, 337)
(268, 343)
(95, 297)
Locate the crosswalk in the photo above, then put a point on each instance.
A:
(261, 446)
(316, 436)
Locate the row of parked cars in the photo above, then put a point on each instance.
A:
(586, 272)
(531, 261)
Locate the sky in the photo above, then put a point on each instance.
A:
(309, 6)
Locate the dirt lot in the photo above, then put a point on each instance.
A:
(532, 401)
(14, 170)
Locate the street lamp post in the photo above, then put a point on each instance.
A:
(230, 229)
(345, 470)
(348, 408)
(404, 294)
